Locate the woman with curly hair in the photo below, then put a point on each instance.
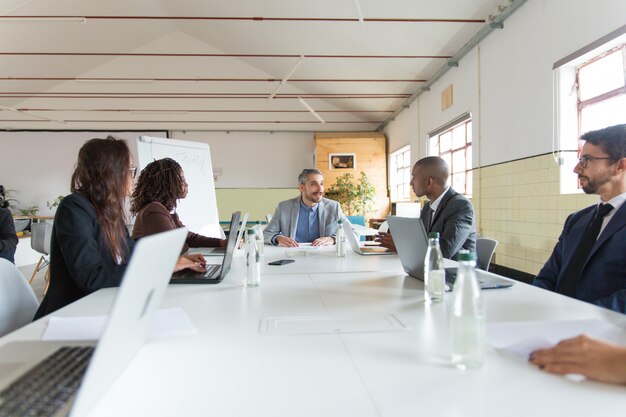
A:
(160, 185)
(90, 245)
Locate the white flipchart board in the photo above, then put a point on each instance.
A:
(199, 210)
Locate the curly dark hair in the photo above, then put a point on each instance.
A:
(101, 175)
(162, 181)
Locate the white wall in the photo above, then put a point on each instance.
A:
(512, 104)
(257, 159)
(405, 130)
(38, 165)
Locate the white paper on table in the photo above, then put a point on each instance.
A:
(166, 322)
(524, 337)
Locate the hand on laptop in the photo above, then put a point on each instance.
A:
(323, 241)
(286, 242)
(194, 261)
(386, 241)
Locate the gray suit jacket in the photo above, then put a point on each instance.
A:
(454, 220)
(285, 219)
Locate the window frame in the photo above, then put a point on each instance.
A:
(466, 121)
(400, 176)
(582, 104)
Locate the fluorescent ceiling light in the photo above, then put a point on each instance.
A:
(43, 19)
(309, 108)
(36, 116)
(284, 80)
(357, 5)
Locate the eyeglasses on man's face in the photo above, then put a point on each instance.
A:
(583, 160)
(133, 171)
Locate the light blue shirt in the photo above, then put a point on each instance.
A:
(308, 228)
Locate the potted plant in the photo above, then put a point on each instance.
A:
(54, 203)
(356, 197)
(29, 211)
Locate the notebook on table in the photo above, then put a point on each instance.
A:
(354, 244)
(411, 243)
(31, 382)
(214, 273)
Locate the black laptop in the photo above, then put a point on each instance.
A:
(214, 273)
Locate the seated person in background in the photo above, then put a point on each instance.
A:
(8, 237)
(90, 245)
(447, 211)
(594, 359)
(589, 260)
(160, 184)
(307, 218)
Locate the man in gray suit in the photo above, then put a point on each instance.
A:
(447, 211)
(307, 218)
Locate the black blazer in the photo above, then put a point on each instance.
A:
(603, 278)
(454, 220)
(80, 260)
(8, 238)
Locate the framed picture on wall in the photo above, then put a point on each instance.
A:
(341, 161)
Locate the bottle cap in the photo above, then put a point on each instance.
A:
(251, 231)
(465, 255)
(433, 235)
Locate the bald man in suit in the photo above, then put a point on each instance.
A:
(447, 212)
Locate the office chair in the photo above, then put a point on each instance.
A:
(41, 235)
(18, 302)
(484, 251)
(360, 220)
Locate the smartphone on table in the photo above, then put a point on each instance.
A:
(281, 262)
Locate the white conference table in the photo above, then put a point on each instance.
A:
(229, 368)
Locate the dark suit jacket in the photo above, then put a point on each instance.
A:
(80, 260)
(454, 220)
(8, 238)
(603, 279)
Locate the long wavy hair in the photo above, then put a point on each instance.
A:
(101, 175)
(161, 181)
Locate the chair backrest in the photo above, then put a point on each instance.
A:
(41, 235)
(18, 302)
(360, 220)
(484, 251)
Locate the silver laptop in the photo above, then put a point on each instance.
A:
(222, 251)
(354, 244)
(29, 370)
(411, 243)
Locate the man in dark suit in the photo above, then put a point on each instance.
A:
(447, 211)
(589, 260)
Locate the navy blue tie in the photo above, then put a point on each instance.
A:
(570, 282)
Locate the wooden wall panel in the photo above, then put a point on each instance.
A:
(370, 149)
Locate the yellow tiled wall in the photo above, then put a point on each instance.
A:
(519, 204)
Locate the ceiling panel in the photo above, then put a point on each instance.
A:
(215, 65)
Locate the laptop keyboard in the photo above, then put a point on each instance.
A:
(211, 270)
(46, 388)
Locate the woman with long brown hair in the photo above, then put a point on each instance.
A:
(160, 185)
(90, 245)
